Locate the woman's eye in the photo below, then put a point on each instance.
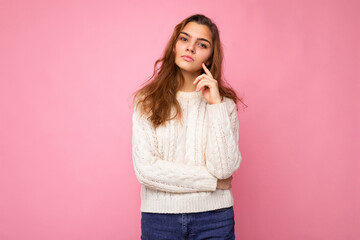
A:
(202, 45)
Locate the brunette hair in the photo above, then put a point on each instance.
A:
(157, 98)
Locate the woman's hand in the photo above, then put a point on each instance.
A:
(224, 183)
(209, 86)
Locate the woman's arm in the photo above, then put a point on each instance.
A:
(222, 155)
(154, 172)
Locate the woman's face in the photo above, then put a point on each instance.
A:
(194, 41)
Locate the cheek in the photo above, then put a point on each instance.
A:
(205, 56)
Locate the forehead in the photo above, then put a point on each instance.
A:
(198, 30)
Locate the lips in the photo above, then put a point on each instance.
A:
(187, 58)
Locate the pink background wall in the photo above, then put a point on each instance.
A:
(67, 72)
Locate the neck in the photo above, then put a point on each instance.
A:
(189, 78)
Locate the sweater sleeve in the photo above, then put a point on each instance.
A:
(157, 173)
(222, 153)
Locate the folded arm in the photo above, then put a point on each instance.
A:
(154, 172)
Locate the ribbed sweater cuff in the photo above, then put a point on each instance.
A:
(211, 184)
(218, 111)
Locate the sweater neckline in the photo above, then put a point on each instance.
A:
(188, 95)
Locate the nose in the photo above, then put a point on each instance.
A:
(190, 47)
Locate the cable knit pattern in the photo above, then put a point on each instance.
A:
(222, 154)
(178, 164)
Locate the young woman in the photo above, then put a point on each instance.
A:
(185, 139)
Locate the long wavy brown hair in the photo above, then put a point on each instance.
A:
(158, 97)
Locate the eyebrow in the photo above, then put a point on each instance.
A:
(203, 39)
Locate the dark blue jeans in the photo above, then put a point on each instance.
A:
(216, 224)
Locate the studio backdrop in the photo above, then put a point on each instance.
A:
(68, 71)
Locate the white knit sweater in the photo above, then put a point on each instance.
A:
(178, 165)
